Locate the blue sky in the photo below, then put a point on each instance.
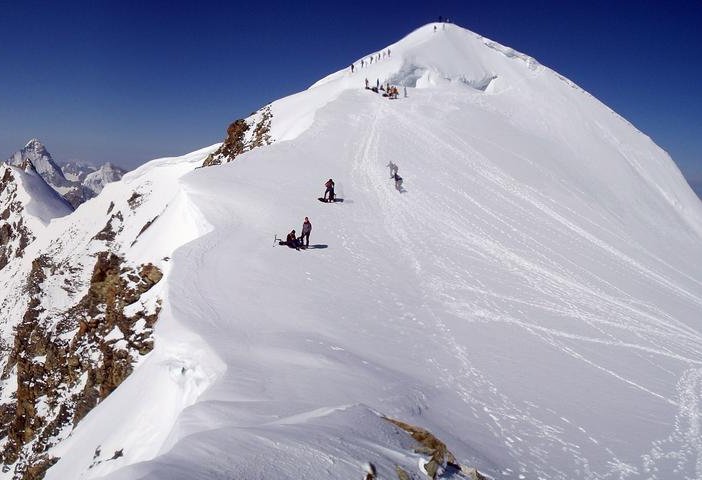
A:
(129, 81)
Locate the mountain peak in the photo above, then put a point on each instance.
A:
(438, 54)
(36, 153)
(34, 144)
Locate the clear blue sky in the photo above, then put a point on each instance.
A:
(127, 81)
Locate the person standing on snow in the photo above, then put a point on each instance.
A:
(329, 190)
(366, 84)
(352, 68)
(306, 230)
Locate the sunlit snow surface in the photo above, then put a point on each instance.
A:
(533, 297)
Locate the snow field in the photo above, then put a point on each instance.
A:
(532, 298)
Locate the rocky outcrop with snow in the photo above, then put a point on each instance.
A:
(27, 204)
(527, 304)
(79, 299)
(243, 134)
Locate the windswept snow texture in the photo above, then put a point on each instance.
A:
(533, 298)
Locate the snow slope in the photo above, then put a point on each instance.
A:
(533, 297)
(40, 201)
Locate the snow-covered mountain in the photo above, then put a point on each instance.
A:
(36, 153)
(697, 188)
(75, 181)
(527, 302)
(76, 171)
(94, 182)
(27, 204)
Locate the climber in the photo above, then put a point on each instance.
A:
(398, 182)
(366, 84)
(306, 230)
(393, 169)
(352, 68)
(291, 241)
(330, 190)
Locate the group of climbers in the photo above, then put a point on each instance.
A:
(389, 91)
(375, 57)
(303, 241)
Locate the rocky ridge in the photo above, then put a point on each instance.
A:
(243, 135)
(78, 315)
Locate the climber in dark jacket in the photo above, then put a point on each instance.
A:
(292, 241)
(329, 190)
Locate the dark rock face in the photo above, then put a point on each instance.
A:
(14, 235)
(67, 362)
(67, 338)
(243, 135)
(439, 455)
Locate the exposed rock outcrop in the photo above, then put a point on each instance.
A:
(439, 455)
(14, 233)
(243, 135)
(67, 361)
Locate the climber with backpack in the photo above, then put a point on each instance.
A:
(329, 190)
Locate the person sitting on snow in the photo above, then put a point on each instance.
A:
(292, 241)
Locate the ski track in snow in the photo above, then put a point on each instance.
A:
(572, 298)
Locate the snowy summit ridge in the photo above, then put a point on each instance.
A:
(528, 299)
